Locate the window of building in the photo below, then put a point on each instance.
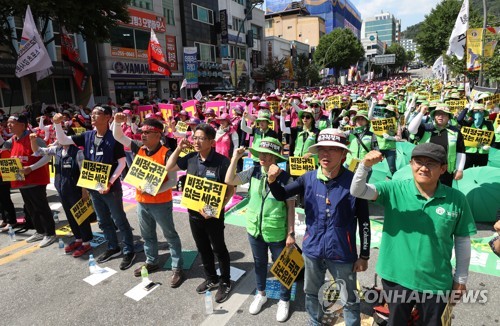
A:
(206, 52)
(241, 2)
(144, 4)
(129, 43)
(269, 23)
(14, 95)
(237, 52)
(168, 11)
(257, 32)
(202, 14)
(237, 23)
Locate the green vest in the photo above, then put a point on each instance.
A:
(266, 216)
(357, 151)
(452, 147)
(322, 124)
(302, 146)
(480, 150)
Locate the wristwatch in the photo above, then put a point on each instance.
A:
(364, 257)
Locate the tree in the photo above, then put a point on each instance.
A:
(301, 68)
(399, 51)
(274, 69)
(313, 74)
(339, 49)
(411, 31)
(410, 56)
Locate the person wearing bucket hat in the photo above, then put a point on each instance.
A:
(438, 131)
(425, 220)
(269, 222)
(476, 155)
(226, 138)
(321, 121)
(361, 140)
(261, 131)
(328, 245)
(303, 136)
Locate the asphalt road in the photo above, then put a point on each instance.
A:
(45, 287)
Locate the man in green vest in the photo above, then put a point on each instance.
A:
(438, 131)
(361, 139)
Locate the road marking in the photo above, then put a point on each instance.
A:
(12, 247)
(18, 254)
(231, 306)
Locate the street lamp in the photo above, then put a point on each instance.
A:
(254, 3)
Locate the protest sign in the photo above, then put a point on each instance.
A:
(9, 169)
(332, 102)
(79, 130)
(181, 126)
(288, 265)
(219, 107)
(384, 126)
(189, 107)
(300, 165)
(94, 175)
(82, 210)
(456, 105)
(144, 110)
(474, 137)
(203, 194)
(354, 164)
(274, 106)
(146, 174)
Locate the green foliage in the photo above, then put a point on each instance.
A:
(412, 31)
(92, 18)
(274, 69)
(399, 51)
(410, 56)
(339, 49)
(493, 8)
(305, 73)
(313, 74)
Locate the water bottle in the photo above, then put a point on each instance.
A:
(144, 275)
(12, 234)
(209, 305)
(56, 217)
(93, 268)
(61, 245)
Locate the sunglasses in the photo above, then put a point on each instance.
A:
(306, 117)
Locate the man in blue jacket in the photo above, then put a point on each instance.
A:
(332, 216)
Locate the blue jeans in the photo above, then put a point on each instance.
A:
(390, 156)
(315, 270)
(109, 208)
(260, 258)
(151, 214)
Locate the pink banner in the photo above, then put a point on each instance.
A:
(167, 111)
(189, 107)
(143, 110)
(217, 106)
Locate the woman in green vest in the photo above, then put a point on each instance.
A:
(361, 140)
(304, 135)
(269, 222)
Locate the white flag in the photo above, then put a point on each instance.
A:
(184, 83)
(198, 95)
(437, 67)
(33, 56)
(459, 33)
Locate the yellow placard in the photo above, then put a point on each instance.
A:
(9, 169)
(347, 128)
(410, 89)
(354, 164)
(94, 175)
(362, 106)
(271, 125)
(82, 210)
(288, 265)
(446, 316)
(181, 126)
(274, 106)
(384, 126)
(79, 130)
(186, 151)
(456, 105)
(497, 122)
(300, 165)
(146, 174)
(203, 194)
(434, 98)
(332, 102)
(474, 137)
(64, 230)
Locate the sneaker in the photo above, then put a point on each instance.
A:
(109, 254)
(257, 304)
(282, 313)
(127, 261)
(223, 292)
(149, 267)
(206, 286)
(177, 278)
(35, 237)
(72, 246)
(47, 241)
(80, 251)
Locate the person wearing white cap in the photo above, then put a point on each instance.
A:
(332, 217)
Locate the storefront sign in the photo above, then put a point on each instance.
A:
(171, 52)
(191, 67)
(145, 20)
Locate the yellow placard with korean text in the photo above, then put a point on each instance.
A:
(181, 126)
(474, 137)
(146, 174)
(94, 175)
(288, 265)
(384, 126)
(456, 105)
(79, 130)
(332, 102)
(434, 98)
(300, 165)
(497, 122)
(410, 89)
(362, 105)
(274, 106)
(354, 164)
(203, 194)
(82, 210)
(347, 128)
(9, 169)
(185, 151)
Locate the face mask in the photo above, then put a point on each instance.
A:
(478, 118)
(359, 129)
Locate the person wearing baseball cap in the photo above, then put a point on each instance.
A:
(270, 223)
(424, 221)
(438, 131)
(329, 245)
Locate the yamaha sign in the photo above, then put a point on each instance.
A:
(131, 68)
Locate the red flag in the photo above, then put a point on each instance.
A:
(156, 60)
(70, 55)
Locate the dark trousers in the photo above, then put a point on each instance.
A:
(68, 200)
(475, 159)
(7, 207)
(430, 309)
(446, 178)
(209, 238)
(35, 200)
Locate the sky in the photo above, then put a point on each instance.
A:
(410, 12)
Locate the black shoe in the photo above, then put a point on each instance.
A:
(206, 286)
(109, 254)
(223, 292)
(127, 261)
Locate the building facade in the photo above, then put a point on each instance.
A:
(409, 45)
(385, 25)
